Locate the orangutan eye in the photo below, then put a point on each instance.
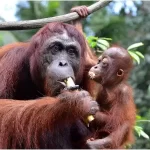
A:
(105, 62)
(99, 59)
(72, 51)
(56, 47)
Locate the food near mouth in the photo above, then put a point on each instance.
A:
(70, 83)
(92, 75)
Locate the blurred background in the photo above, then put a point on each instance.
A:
(125, 21)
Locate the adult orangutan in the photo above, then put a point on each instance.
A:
(7, 48)
(28, 70)
(35, 69)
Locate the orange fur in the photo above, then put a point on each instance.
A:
(53, 122)
(115, 121)
(7, 48)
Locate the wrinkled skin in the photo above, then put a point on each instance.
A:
(60, 59)
(34, 69)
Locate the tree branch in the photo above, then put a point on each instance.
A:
(32, 24)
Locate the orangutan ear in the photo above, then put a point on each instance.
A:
(120, 73)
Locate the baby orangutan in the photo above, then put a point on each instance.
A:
(113, 124)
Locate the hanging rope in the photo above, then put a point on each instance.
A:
(33, 24)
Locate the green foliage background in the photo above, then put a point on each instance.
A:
(130, 25)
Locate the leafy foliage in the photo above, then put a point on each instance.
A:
(139, 130)
(101, 44)
(98, 44)
(136, 55)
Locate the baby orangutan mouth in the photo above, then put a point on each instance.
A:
(92, 75)
(95, 76)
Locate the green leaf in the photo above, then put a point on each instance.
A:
(135, 45)
(138, 130)
(135, 56)
(93, 44)
(92, 38)
(108, 39)
(138, 117)
(139, 54)
(92, 41)
(144, 134)
(99, 51)
(101, 46)
(104, 42)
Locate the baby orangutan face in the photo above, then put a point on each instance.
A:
(112, 68)
(98, 71)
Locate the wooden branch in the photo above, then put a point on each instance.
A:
(32, 24)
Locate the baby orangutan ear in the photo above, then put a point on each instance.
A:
(120, 73)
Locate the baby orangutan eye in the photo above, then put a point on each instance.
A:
(99, 59)
(105, 62)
